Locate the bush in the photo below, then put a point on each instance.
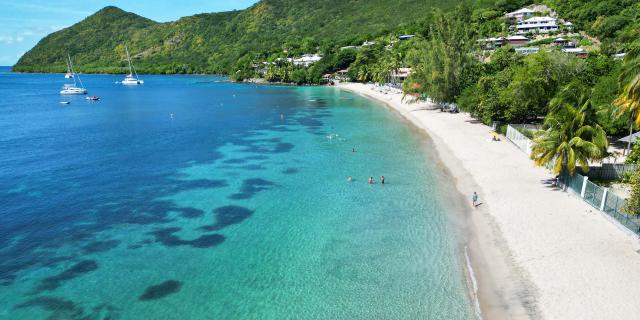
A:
(632, 205)
(634, 155)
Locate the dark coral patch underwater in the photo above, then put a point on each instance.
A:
(161, 290)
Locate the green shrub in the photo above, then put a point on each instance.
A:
(632, 205)
(634, 155)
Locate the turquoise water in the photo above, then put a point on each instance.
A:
(190, 198)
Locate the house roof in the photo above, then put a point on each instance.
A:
(535, 19)
(523, 10)
(560, 40)
(491, 39)
(512, 38)
(574, 50)
(631, 137)
(568, 23)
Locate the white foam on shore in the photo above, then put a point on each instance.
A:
(474, 284)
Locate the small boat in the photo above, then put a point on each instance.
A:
(130, 79)
(72, 88)
(65, 102)
(93, 98)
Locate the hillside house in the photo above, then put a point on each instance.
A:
(578, 52)
(564, 43)
(517, 40)
(568, 26)
(492, 43)
(401, 74)
(537, 25)
(307, 60)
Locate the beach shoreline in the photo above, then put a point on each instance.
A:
(537, 253)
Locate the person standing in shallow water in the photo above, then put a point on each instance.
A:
(475, 199)
(370, 180)
(382, 180)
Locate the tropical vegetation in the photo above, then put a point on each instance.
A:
(569, 136)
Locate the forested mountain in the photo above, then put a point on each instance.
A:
(213, 42)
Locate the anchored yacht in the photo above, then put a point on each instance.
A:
(130, 79)
(72, 88)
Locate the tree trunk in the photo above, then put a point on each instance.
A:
(630, 133)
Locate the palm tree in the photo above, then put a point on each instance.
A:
(569, 140)
(629, 99)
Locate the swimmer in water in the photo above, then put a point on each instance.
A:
(349, 179)
(382, 180)
(370, 180)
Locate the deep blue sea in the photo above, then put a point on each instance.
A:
(193, 198)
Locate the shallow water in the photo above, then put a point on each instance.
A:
(190, 198)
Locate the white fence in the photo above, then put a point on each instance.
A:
(519, 139)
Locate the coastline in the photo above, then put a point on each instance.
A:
(537, 253)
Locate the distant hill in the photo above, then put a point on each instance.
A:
(213, 42)
(94, 39)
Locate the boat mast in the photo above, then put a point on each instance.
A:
(74, 73)
(129, 59)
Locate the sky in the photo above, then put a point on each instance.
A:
(23, 23)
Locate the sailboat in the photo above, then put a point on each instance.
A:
(69, 74)
(72, 88)
(130, 79)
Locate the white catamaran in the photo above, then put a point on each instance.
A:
(72, 88)
(130, 79)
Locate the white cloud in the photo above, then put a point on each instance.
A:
(44, 8)
(6, 39)
(22, 36)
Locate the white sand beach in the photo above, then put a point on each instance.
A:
(539, 253)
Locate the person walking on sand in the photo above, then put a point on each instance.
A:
(475, 199)
(370, 180)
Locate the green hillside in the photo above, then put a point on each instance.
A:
(94, 39)
(211, 43)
